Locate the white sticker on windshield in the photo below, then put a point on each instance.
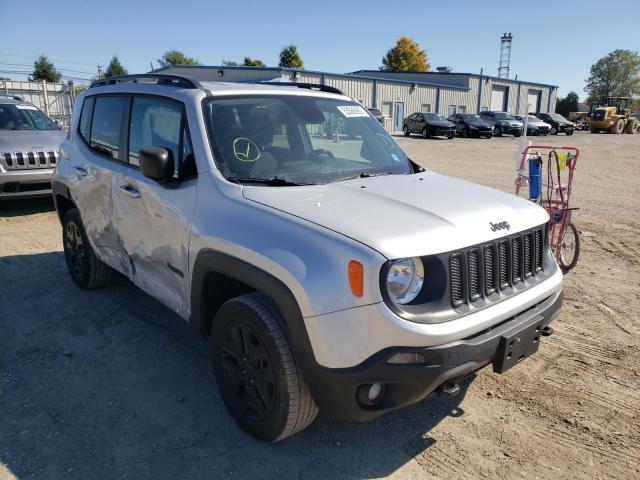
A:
(26, 107)
(353, 111)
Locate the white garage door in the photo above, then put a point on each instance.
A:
(499, 99)
(533, 99)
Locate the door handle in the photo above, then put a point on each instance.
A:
(80, 171)
(130, 191)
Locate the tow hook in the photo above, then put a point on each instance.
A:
(547, 331)
(450, 389)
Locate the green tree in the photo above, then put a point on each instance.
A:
(615, 75)
(290, 58)
(43, 69)
(115, 68)
(230, 63)
(253, 62)
(568, 104)
(176, 57)
(406, 56)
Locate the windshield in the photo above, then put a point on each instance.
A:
(299, 139)
(433, 116)
(503, 116)
(24, 117)
(558, 118)
(470, 116)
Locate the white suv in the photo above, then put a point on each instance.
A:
(327, 270)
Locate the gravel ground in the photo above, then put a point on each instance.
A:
(110, 384)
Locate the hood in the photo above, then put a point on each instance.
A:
(540, 123)
(27, 140)
(440, 123)
(478, 123)
(405, 215)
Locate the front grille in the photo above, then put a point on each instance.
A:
(496, 267)
(599, 115)
(28, 160)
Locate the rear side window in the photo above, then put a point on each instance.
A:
(85, 118)
(105, 126)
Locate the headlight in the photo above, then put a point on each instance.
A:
(404, 279)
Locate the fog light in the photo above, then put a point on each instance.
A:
(407, 358)
(370, 394)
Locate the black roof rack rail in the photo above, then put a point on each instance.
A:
(161, 78)
(309, 86)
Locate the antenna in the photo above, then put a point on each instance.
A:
(505, 55)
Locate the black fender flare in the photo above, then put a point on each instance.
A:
(59, 189)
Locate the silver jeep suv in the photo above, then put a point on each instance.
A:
(29, 142)
(326, 269)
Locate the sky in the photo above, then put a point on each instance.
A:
(554, 42)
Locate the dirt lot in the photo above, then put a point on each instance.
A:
(110, 384)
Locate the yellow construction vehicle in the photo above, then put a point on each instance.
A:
(612, 114)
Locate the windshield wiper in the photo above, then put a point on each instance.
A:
(273, 181)
(365, 175)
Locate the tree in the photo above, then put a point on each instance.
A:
(176, 57)
(290, 58)
(43, 69)
(115, 68)
(230, 63)
(253, 62)
(616, 75)
(406, 56)
(568, 104)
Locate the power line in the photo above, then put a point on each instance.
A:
(59, 69)
(52, 59)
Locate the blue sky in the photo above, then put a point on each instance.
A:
(552, 41)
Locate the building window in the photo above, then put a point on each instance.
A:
(462, 109)
(387, 109)
(426, 107)
(452, 109)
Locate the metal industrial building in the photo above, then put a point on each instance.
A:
(398, 94)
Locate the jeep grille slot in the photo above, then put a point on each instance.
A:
(496, 269)
(457, 287)
(28, 160)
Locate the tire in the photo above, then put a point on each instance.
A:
(425, 133)
(498, 132)
(572, 237)
(553, 131)
(465, 132)
(258, 376)
(632, 127)
(569, 133)
(517, 134)
(405, 131)
(618, 127)
(450, 137)
(84, 267)
(594, 130)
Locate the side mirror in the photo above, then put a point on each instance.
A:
(156, 163)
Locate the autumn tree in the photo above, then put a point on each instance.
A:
(615, 75)
(43, 69)
(406, 56)
(176, 57)
(290, 58)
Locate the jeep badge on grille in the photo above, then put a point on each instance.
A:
(499, 226)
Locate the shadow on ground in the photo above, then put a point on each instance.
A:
(21, 207)
(110, 384)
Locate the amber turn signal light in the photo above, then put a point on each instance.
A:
(356, 278)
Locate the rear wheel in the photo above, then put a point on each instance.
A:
(84, 267)
(260, 380)
(517, 134)
(405, 131)
(569, 132)
(570, 249)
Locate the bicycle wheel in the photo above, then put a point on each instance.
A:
(570, 249)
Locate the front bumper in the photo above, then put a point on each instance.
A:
(509, 130)
(25, 183)
(442, 132)
(335, 390)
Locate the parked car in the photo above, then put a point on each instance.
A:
(535, 126)
(557, 122)
(377, 114)
(29, 143)
(331, 275)
(471, 125)
(503, 123)
(428, 125)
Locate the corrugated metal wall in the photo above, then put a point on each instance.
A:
(515, 104)
(57, 102)
(359, 89)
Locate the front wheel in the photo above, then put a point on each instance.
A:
(405, 131)
(465, 132)
(517, 134)
(553, 131)
(84, 267)
(498, 132)
(425, 133)
(569, 133)
(258, 376)
(570, 249)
